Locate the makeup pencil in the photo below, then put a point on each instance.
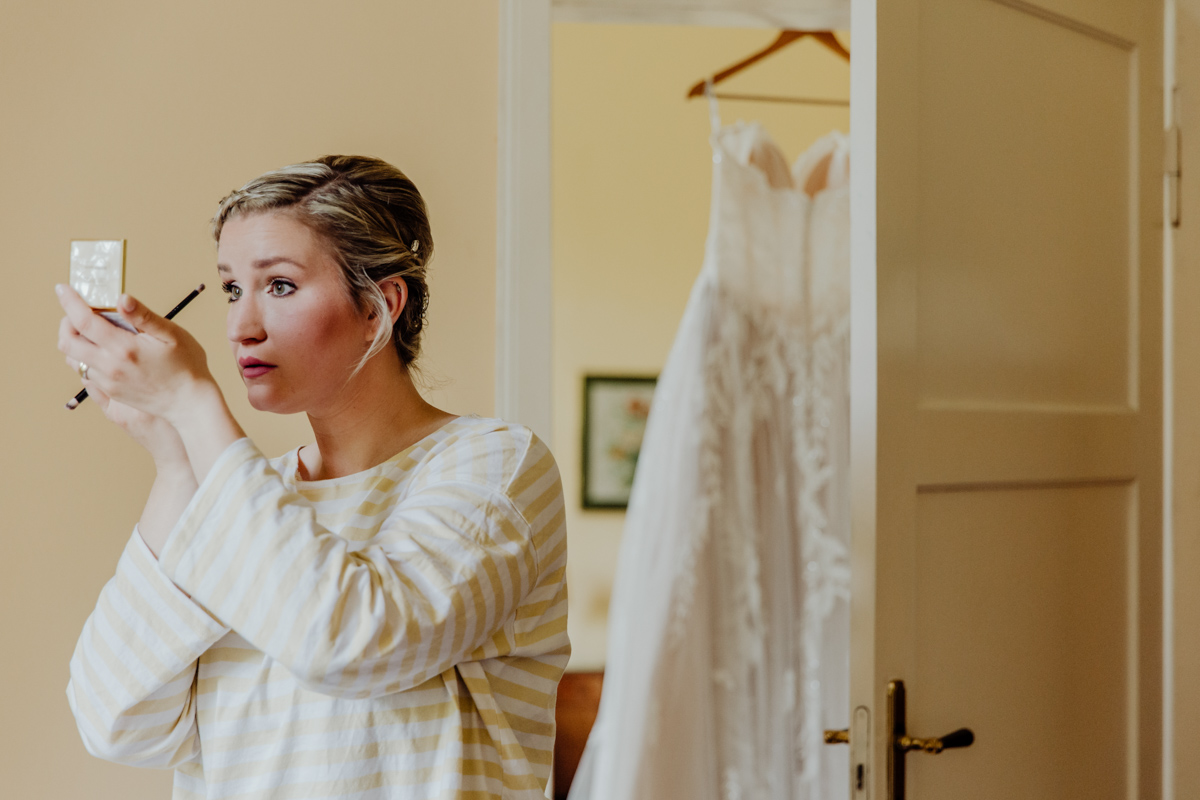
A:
(74, 402)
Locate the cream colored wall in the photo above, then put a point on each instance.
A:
(131, 119)
(631, 190)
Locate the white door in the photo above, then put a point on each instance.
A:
(1007, 426)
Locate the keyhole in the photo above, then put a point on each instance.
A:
(858, 777)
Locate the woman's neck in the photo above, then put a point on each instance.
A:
(379, 414)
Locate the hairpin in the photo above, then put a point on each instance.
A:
(416, 245)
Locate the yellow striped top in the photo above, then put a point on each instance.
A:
(399, 632)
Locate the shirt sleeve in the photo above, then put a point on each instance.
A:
(437, 585)
(132, 685)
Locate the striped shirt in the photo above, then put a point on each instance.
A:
(398, 632)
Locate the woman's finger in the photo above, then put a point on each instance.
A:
(90, 325)
(76, 366)
(65, 333)
(65, 329)
(135, 313)
(78, 348)
(79, 351)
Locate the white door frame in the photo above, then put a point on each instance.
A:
(1168, 419)
(523, 294)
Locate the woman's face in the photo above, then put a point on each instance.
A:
(292, 327)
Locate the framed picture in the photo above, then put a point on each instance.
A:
(615, 409)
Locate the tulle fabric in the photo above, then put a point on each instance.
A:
(728, 649)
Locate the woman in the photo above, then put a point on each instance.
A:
(381, 613)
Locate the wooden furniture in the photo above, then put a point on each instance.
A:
(575, 712)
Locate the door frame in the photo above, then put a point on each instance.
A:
(1169, 511)
(523, 291)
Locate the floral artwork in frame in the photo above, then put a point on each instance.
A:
(615, 410)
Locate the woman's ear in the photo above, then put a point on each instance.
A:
(395, 292)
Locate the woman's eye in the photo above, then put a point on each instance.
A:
(280, 288)
(233, 290)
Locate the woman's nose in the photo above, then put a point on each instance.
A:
(244, 323)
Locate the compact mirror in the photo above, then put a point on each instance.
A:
(98, 271)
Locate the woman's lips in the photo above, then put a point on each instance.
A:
(255, 370)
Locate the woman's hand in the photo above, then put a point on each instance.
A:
(153, 371)
(161, 371)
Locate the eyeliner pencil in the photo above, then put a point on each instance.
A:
(74, 402)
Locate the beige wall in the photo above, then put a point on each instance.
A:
(131, 119)
(631, 189)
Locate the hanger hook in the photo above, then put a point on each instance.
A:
(714, 113)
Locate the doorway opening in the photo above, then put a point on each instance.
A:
(632, 173)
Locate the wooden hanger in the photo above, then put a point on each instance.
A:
(783, 40)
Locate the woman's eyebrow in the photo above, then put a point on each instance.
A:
(263, 263)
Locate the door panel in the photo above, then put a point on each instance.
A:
(1025, 225)
(1026, 651)
(1006, 393)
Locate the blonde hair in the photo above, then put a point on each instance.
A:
(373, 219)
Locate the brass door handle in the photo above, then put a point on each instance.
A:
(963, 737)
(903, 743)
(837, 737)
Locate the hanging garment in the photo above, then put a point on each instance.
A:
(728, 649)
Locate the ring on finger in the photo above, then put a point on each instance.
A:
(83, 370)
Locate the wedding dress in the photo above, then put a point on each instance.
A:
(728, 649)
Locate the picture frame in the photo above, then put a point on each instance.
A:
(615, 410)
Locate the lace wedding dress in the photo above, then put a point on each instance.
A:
(728, 649)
